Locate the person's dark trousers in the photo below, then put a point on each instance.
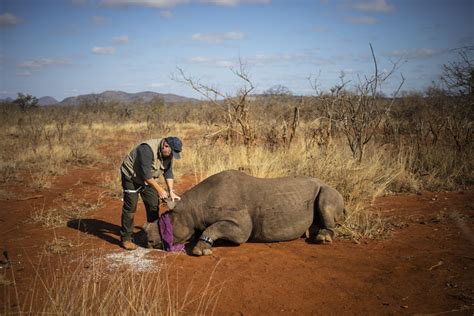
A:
(130, 199)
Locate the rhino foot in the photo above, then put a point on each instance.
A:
(207, 252)
(202, 249)
(324, 237)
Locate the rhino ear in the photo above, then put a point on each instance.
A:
(170, 203)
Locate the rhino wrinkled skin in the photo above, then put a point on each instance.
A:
(234, 206)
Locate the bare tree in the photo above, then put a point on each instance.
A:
(458, 76)
(329, 101)
(461, 130)
(359, 114)
(235, 109)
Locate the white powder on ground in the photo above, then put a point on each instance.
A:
(135, 260)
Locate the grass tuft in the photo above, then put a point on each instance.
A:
(58, 246)
(4, 281)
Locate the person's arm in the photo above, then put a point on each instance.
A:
(168, 175)
(161, 192)
(173, 195)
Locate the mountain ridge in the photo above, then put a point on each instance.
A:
(111, 96)
(125, 97)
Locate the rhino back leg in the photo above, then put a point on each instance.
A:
(237, 231)
(328, 209)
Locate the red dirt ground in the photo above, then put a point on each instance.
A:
(426, 266)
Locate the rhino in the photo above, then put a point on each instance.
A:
(237, 207)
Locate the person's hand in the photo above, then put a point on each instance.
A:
(174, 196)
(162, 194)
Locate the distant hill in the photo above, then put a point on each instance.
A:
(124, 98)
(43, 101)
(47, 101)
(6, 100)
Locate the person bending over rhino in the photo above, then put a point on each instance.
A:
(140, 170)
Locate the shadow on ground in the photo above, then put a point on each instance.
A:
(103, 230)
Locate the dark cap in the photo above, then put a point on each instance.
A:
(176, 146)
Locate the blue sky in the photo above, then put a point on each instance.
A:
(63, 48)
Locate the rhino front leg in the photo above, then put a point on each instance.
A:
(228, 230)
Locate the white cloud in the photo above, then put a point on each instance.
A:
(217, 38)
(213, 62)
(23, 73)
(418, 53)
(165, 14)
(120, 39)
(144, 3)
(43, 62)
(320, 29)
(256, 60)
(232, 3)
(103, 50)
(199, 59)
(368, 20)
(8, 19)
(98, 20)
(380, 6)
(262, 59)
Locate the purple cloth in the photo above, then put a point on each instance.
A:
(166, 231)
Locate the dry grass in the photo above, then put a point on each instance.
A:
(7, 171)
(81, 148)
(58, 246)
(48, 218)
(406, 180)
(41, 179)
(43, 150)
(112, 185)
(4, 281)
(365, 224)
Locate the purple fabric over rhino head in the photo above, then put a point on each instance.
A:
(166, 232)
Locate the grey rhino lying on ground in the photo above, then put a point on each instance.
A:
(237, 207)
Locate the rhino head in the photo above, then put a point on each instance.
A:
(152, 230)
(152, 235)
